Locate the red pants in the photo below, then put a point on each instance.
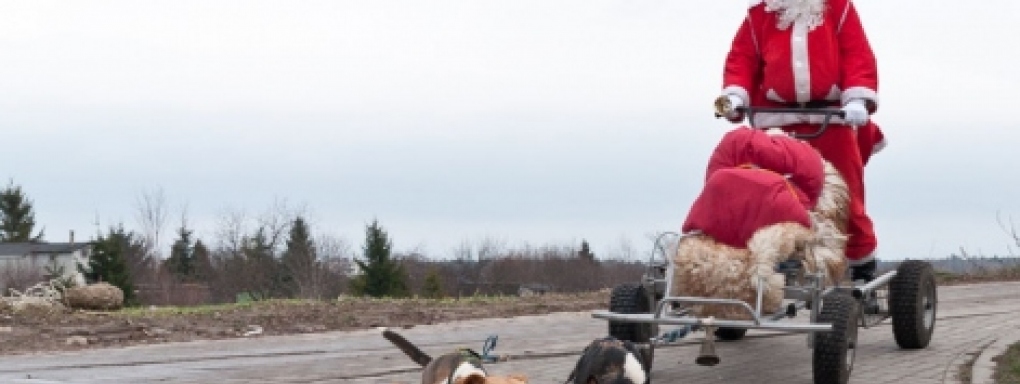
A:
(841, 147)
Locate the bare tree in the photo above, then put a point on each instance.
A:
(248, 250)
(623, 251)
(276, 222)
(417, 267)
(336, 255)
(151, 212)
(1010, 230)
(231, 230)
(19, 275)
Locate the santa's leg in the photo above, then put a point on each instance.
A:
(840, 147)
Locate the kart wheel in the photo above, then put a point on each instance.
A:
(834, 351)
(913, 299)
(630, 298)
(730, 334)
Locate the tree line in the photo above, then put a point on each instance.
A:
(276, 255)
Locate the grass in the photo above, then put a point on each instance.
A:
(146, 311)
(966, 372)
(1007, 369)
(980, 276)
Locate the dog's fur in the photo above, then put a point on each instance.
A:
(458, 367)
(707, 268)
(610, 361)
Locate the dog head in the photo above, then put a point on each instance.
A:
(610, 361)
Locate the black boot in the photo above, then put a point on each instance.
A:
(864, 271)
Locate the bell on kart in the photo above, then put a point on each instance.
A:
(723, 106)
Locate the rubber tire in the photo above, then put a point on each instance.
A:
(730, 334)
(829, 362)
(907, 291)
(631, 298)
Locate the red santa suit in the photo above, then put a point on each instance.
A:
(812, 53)
(755, 180)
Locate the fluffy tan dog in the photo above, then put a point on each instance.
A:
(707, 268)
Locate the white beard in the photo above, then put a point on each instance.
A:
(808, 12)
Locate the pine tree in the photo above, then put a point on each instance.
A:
(107, 262)
(263, 270)
(202, 259)
(300, 262)
(585, 252)
(433, 287)
(380, 274)
(17, 219)
(181, 262)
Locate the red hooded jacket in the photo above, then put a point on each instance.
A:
(754, 180)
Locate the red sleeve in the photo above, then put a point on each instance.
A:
(859, 67)
(741, 73)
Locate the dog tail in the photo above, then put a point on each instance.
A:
(409, 349)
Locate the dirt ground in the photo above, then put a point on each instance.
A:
(37, 329)
(56, 329)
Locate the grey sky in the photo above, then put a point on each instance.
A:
(529, 121)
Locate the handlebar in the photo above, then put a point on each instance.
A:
(722, 109)
(827, 113)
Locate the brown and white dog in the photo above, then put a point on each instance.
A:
(459, 367)
(610, 361)
(705, 267)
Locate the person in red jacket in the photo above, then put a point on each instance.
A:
(813, 54)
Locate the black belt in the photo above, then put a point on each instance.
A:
(814, 104)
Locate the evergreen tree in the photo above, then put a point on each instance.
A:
(585, 252)
(300, 262)
(261, 267)
(202, 258)
(181, 262)
(380, 274)
(107, 262)
(433, 287)
(17, 219)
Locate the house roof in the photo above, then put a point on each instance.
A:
(23, 249)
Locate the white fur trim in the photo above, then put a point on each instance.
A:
(633, 370)
(842, 19)
(754, 36)
(878, 147)
(753, 3)
(859, 93)
(464, 370)
(801, 62)
(834, 93)
(772, 95)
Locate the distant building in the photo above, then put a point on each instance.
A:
(25, 264)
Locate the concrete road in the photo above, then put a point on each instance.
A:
(543, 347)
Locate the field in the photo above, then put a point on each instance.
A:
(37, 329)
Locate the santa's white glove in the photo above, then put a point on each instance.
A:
(855, 113)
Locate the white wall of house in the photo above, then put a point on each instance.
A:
(35, 267)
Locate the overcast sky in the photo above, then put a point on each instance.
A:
(529, 121)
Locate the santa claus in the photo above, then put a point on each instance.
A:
(813, 54)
